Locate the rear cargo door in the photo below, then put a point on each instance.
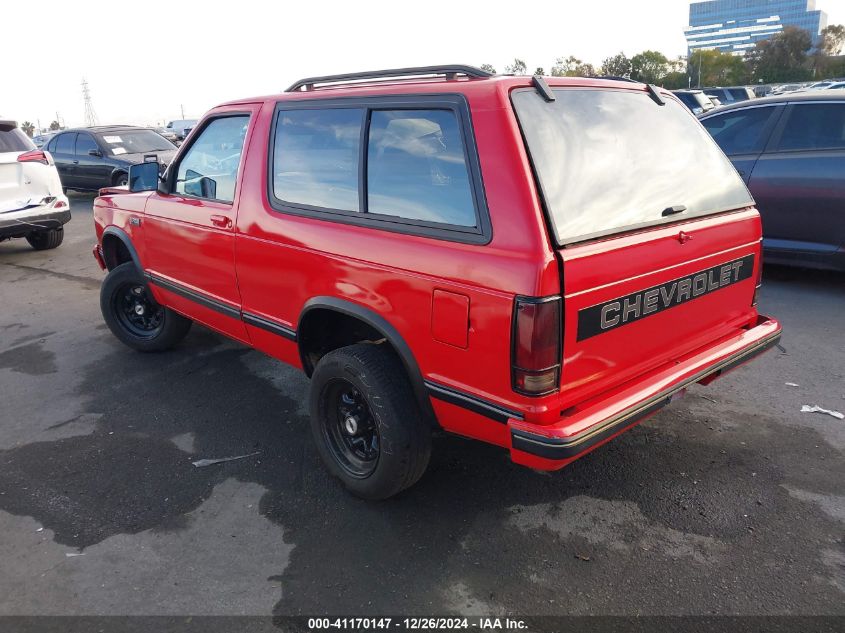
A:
(656, 232)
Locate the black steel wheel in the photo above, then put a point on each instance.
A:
(350, 429)
(134, 316)
(136, 310)
(366, 421)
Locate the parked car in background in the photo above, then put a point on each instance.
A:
(91, 158)
(168, 134)
(790, 150)
(695, 100)
(731, 94)
(784, 88)
(179, 126)
(40, 139)
(345, 228)
(32, 204)
(836, 85)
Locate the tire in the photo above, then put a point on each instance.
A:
(121, 179)
(385, 409)
(45, 240)
(152, 328)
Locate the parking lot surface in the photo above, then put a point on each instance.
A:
(729, 501)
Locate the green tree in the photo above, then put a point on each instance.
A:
(649, 67)
(616, 66)
(517, 68)
(55, 125)
(675, 80)
(783, 57)
(572, 67)
(830, 45)
(715, 68)
(488, 67)
(539, 71)
(832, 39)
(28, 128)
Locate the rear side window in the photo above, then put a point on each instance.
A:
(315, 160)
(409, 168)
(12, 139)
(416, 168)
(612, 160)
(814, 126)
(65, 143)
(740, 131)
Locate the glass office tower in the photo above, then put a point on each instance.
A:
(733, 26)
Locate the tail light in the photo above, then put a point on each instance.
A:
(536, 353)
(35, 156)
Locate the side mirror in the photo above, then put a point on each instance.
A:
(143, 177)
(95, 152)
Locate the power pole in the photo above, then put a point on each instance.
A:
(90, 115)
(182, 107)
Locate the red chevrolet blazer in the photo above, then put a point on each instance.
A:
(535, 263)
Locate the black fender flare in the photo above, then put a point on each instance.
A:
(121, 235)
(383, 327)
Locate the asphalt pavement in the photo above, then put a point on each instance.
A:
(729, 501)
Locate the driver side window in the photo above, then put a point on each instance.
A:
(210, 167)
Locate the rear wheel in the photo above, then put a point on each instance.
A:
(134, 316)
(365, 420)
(45, 240)
(121, 180)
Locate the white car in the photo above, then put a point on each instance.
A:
(32, 203)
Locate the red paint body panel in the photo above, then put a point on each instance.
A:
(452, 303)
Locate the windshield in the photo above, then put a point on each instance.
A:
(136, 142)
(611, 160)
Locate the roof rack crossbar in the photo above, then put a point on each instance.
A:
(450, 72)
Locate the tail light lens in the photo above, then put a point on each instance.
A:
(536, 354)
(35, 156)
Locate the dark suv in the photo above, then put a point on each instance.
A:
(505, 258)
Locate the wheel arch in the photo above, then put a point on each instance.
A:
(372, 320)
(118, 248)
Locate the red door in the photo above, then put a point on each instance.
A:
(190, 230)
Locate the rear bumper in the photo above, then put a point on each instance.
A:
(18, 223)
(549, 447)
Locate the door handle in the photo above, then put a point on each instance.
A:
(222, 221)
(76, 162)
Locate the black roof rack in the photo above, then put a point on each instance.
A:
(449, 71)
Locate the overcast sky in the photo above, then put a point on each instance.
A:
(144, 59)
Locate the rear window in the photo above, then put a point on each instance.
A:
(12, 139)
(614, 160)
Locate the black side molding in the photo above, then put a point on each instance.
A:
(564, 448)
(472, 403)
(196, 297)
(269, 326)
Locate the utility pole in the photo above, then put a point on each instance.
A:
(182, 107)
(699, 68)
(90, 115)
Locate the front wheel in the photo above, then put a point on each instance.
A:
(366, 422)
(134, 316)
